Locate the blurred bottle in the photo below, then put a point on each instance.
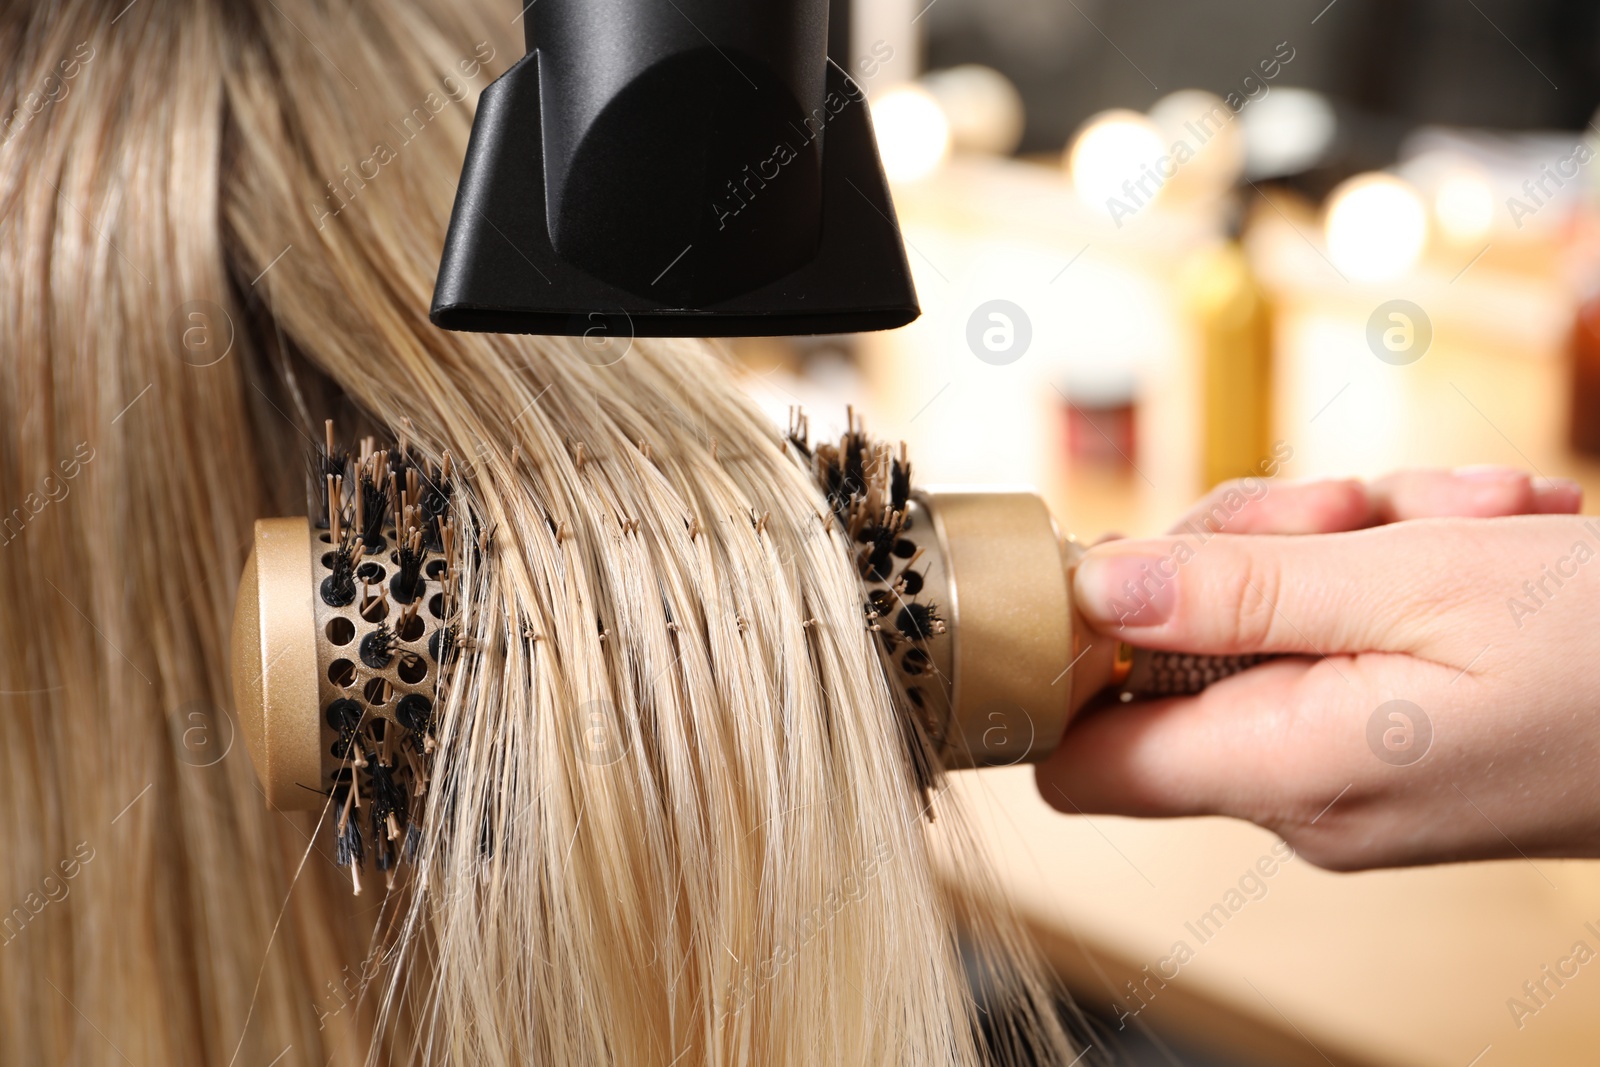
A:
(1100, 411)
(1234, 324)
(1584, 429)
(1102, 431)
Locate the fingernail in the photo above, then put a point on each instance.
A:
(1557, 496)
(1557, 485)
(1118, 589)
(1488, 473)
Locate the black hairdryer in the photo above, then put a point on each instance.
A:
(674, 168)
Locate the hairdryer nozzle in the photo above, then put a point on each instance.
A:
(673, 168)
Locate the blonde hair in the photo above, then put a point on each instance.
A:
(745, 876)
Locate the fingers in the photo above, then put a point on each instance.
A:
(1383, 589)
(1557, 496)
(1472, 492)
(1280, 745)
(1223, 752)
(1335, 505)
(1255, 506)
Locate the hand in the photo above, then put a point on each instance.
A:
(1476, 601)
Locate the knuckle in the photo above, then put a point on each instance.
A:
(1232, 507)
(1330, 853)
(1344, 842)
(1251, 607)
(1512, 497)
(1442, 587)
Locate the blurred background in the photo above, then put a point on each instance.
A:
(1162, 245)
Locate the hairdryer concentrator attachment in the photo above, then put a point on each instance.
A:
(673, 168)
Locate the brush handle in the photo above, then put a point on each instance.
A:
(1169, 674)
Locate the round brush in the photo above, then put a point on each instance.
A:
(343, 632)
(341, 638)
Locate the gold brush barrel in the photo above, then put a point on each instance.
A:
(1016, 660)
(1018, 664)
(276, 665)
(296, 655)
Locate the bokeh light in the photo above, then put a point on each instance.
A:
(1376, 227)
(1204, 123)
(1464, 206)
(1287, 131)
(983, 107)
(1112, 150)
(913, 133)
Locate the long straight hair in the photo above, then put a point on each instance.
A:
(219, 224)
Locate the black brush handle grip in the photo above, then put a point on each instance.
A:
(1170, 674)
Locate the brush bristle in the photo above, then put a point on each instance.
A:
(365, 498)
(868, 489)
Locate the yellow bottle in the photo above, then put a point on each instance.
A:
(1233, 321)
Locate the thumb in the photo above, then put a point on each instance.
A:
(1377, 590)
